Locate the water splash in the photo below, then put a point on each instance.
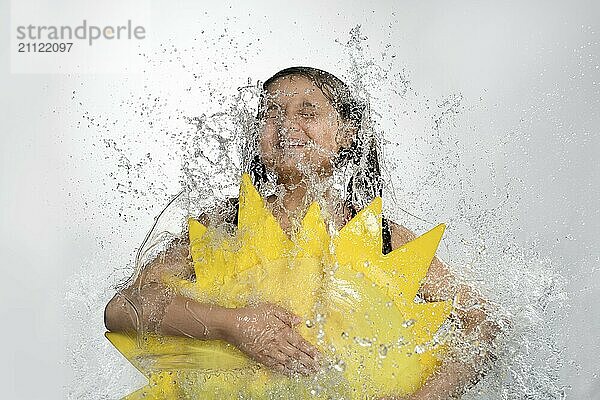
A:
(430, 152)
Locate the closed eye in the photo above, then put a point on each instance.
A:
(273, 112)
(308, 114)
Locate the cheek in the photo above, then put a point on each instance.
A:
(267, 142)
(324, 133)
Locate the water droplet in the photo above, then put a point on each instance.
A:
(408, 322)
(383, 350)
(364, 342)
(339, 366)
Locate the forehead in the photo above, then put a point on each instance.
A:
(296, 87)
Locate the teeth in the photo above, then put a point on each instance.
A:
(295, 143)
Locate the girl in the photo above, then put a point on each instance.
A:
(311, 131)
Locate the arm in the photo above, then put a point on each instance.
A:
(265, 332)
(141, 306)
(477, 329)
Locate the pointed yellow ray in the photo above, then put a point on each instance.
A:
(428, 318)
(361, 237)
(160, 386)
(312, 237)
(409, 263)
(196, 231)
(258, 229)
(358, 304)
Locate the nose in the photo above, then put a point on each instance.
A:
(289, 128)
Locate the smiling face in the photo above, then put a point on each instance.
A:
(301, 131)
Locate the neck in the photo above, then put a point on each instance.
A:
(293, 198)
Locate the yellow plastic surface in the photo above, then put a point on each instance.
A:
(358, 305)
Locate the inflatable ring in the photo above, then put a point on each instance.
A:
(358, 304)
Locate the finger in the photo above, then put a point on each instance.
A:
(279, 362)
(277, 367)
(301, 361)
(296, 340)
(286, 316)
(278, 356)
(288, 356)
(297, 348)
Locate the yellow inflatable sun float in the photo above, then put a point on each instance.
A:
(358, 304)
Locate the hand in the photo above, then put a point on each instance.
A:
(266, 333)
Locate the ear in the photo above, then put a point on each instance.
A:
(346, 134)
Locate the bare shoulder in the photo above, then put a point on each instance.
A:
(220, 213)
(400, 234)
(175, 258)
(439, 284)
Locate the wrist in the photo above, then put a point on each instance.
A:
(222, 319)
(205, 321)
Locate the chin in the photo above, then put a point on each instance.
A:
(297, 171)
(290, 167)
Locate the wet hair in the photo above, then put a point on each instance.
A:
(362, 156)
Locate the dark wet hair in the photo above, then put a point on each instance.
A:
(365, 183)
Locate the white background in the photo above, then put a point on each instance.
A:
(528, 71)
